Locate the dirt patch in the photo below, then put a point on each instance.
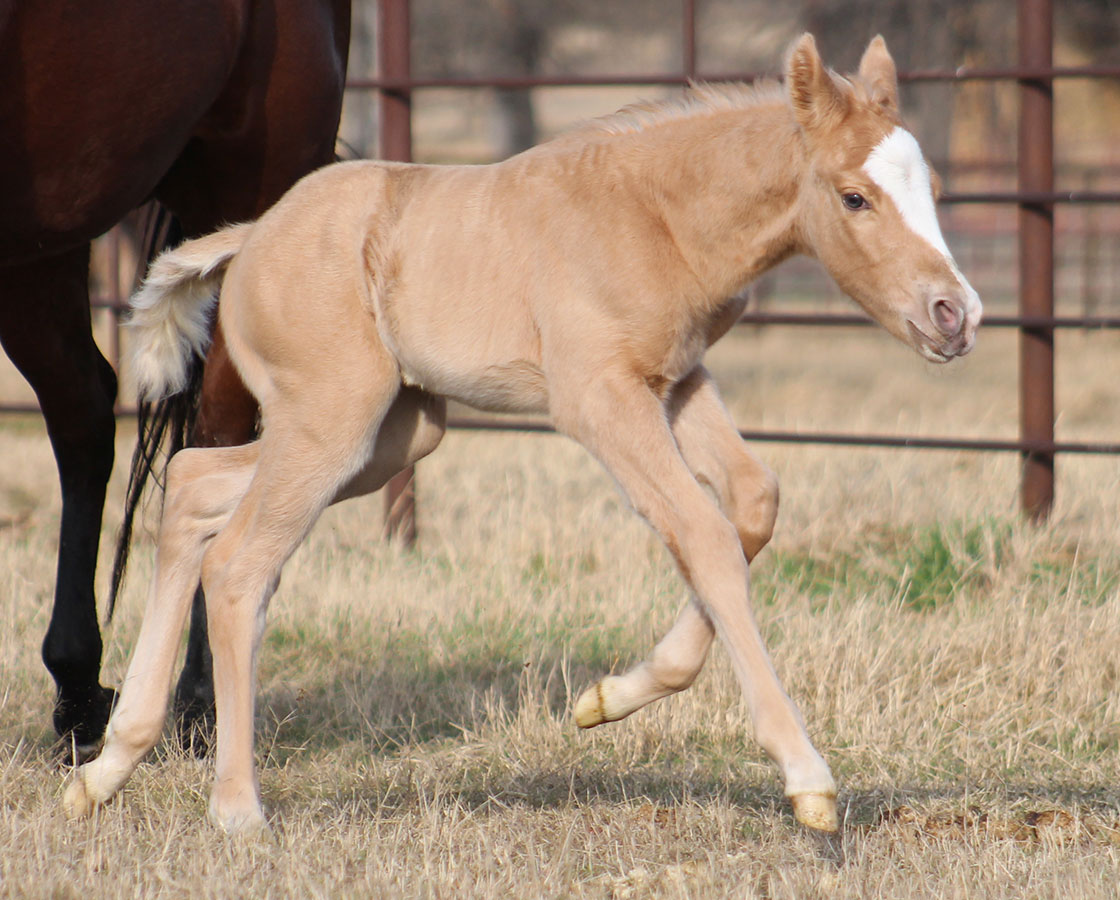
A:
(1054, 826)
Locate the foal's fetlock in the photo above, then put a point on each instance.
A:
(812, 793)
(588, 711)
(92, 785)
(76, 801)
(126, 743)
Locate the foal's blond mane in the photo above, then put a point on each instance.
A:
(699, 99)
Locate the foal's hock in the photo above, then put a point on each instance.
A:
(584, 278)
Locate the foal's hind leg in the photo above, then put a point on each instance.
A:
(203, 488)
(412, 429)
(286, 97)
(645, 460)
(227, 417)
(748, 495)
(316, 439)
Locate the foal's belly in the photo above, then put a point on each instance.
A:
(516, 386)
(513, 387)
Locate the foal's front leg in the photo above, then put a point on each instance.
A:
(648, 465)
(747, 492)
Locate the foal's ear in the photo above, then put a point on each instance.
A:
(818, 101)
(877, 72)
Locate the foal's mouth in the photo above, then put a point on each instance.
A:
(935, 350)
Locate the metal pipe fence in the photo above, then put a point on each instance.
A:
(1035, 199)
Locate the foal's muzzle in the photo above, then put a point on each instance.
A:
(950, 327)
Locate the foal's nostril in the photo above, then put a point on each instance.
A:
(947, 316)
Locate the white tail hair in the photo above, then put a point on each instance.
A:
(170, 318)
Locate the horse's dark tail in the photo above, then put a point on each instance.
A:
(168, 420)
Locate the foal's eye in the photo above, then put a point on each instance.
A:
(855, 201)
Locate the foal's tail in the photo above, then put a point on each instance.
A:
(170, 330)
(170, 321)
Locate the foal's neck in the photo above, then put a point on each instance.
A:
(726, 186)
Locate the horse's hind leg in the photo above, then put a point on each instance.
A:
(45, 329)
(748, 495)
(203, 489)
(285, 98)
(413, 428)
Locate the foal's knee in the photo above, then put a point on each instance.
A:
(185, 504)
(675, 673)
(754, 504)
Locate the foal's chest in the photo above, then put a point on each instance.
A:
(685, 342)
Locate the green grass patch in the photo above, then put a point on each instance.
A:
(925, 567)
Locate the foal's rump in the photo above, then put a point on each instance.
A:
(305, 248)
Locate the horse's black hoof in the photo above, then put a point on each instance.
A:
(195, 722)
(80, 724)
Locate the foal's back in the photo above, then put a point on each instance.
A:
(473, 275)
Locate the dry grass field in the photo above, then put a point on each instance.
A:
(957, 667)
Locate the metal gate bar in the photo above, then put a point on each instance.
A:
(914, 442)
(1035, 197)
(393, 54)
(1036, 258)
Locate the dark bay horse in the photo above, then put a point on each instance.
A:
(212, 107)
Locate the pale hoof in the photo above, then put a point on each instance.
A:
(77, 801)
(239, 819)
(816, 811)
(588, 711)
(242, 825)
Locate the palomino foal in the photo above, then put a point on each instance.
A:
(585, 278)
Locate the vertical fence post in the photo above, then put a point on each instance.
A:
(688, 38)
(395, 105)
(1036, 256)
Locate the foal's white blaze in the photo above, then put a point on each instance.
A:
(897, 166)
